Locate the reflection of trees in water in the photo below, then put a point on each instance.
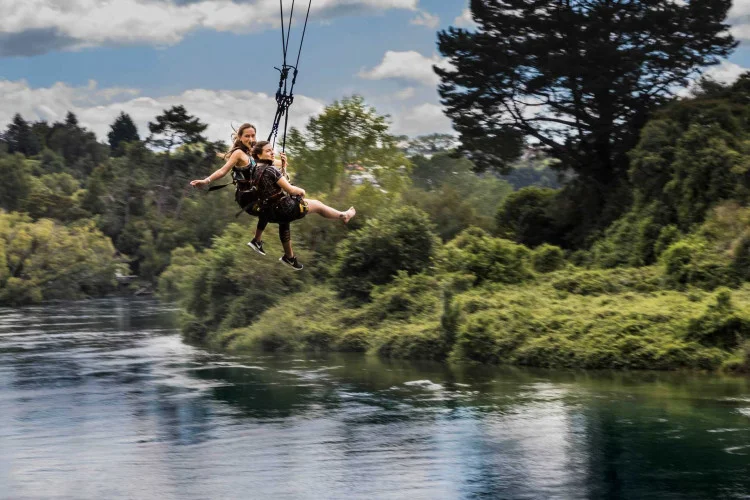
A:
(649, 447)
(481, 431)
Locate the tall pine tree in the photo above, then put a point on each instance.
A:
(121, 131)
(20, 138)
(578, 77)
(174, 128)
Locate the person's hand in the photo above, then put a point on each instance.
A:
(199, 183)
(300, 192)
(283, 160)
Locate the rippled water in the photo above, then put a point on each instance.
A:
(102, 399)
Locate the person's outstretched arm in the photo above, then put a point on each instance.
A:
(218, 174)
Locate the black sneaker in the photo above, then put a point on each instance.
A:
(291, 262)
(257, 246)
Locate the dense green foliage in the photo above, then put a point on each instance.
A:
(43, 260)
(399, 240)
(439, 263)
(580, 79)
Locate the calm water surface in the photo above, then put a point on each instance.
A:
(103, 399)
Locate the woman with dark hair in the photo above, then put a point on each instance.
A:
(282, 203)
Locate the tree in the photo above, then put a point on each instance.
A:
(174, 128)
(348, 132)
(76, 145)
(693, 154)
(527, 216)
(121, 131)
(20, 139)
(16, 184)
(43, 260)
(578, 77)
(431, 144)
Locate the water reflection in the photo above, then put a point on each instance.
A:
(102, 399)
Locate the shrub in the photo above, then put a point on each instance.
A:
(720, 325)
(597, 282)
(691, 262)
(547, 258)
(400, 240)
(407, 297)
(526, 216)
(220, 290)
(487, 258)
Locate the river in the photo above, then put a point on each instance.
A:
(103, 399)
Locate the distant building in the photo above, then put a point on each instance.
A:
(359, 175)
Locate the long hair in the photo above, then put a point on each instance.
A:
(258, 150)
(237, 142)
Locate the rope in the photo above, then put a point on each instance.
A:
(285, 92)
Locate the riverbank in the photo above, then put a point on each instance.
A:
(573, 318)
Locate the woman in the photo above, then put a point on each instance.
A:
(283, 203)
(239, 160)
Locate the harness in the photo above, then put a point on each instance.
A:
(250, 190)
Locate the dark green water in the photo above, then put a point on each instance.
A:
(102, 399)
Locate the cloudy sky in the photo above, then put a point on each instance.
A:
(216, 57)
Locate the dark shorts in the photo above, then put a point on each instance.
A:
(287, 209)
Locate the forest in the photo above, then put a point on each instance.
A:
(591, 211)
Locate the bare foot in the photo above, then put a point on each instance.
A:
(347, 216)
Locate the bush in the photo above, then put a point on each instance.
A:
(220, 290)
(720, 325)
(629, 241)
(487, 258)
(667, 236)
(407, 297)
(400, 240)
(598, 282)
(422, 340)
(691, 262)
(547, 258)
(527, 217)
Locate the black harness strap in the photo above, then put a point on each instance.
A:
(260, 169)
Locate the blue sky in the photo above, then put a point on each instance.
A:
(97, 57)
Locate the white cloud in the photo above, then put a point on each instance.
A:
(465, 20)
(97, 108)
(726, 72)
(426, 118)
(409, 65)
(37, 26)
(424, 18)
(404, 94)
(739, 8)
(739, 19)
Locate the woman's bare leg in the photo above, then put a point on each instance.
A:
(317, 207)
